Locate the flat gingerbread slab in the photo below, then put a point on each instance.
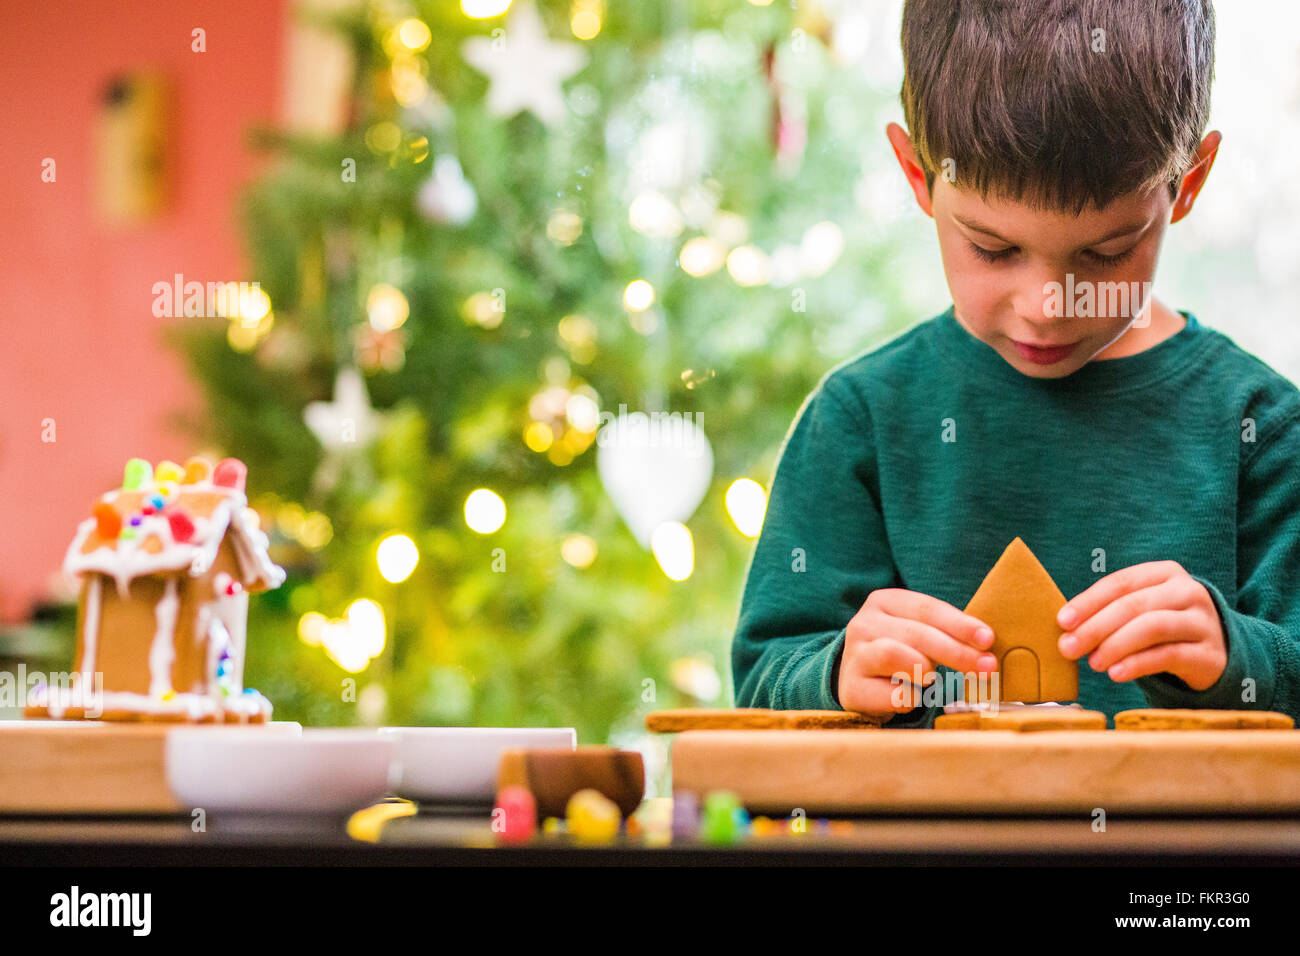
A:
(1154, 718)
(41, 712)
(1024, 721)
(918, 771)
(755, 718)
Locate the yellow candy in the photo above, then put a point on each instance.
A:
(592, 817)
(552, 825)
(166, 488)
(168, 694)
(168, 471)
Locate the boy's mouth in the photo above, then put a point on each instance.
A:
(1041, 355)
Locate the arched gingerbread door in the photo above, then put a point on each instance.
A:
(1020, 673)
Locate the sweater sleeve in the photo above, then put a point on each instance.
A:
(821, 551)
(1262, 629)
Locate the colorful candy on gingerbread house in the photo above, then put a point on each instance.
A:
(166, 562)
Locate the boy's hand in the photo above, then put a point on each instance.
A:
(1149, 618)
(901, 632)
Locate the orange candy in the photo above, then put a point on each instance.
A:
(107, 521)
(196, 469)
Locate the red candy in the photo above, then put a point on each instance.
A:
(514, 819)
(107, 521)
(182, 526)
(230, 473)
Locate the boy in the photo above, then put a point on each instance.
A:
(1151, 465)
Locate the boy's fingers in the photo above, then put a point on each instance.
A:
(1146, 630)
(938, 645)
(888, 657)
(877, 695)
(916, 606)
(1161, 659)
(1116, 616)
(882, 675)
(1114, 585)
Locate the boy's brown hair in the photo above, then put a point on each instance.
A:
(1057, 102)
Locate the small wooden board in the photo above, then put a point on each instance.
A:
(755, 718)
(91, 767)
(1151, 718)
(1024, 721)
(554, 774)
(965, 771)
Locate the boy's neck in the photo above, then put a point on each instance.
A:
(1165, 322)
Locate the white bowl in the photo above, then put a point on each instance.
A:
(459, 764)
(257, 770)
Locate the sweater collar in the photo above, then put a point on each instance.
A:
(973, 356)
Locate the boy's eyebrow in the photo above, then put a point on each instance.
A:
(1113, 234)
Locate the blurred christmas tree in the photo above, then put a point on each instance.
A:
(532, 218)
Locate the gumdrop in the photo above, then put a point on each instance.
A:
(517, 815)
(721, 823)
(196, 469)
(230, 473)
(686, 815)
(592, 817)
(168, 471)
(137, 474)
(181, 524)
(107, 520)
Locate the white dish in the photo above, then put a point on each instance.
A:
(459, 764)
(259, 770)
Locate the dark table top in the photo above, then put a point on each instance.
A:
(463, 835)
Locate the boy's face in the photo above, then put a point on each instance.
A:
(1002, 258)
(1019, 276)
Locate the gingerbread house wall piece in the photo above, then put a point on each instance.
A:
(167, 567)
(1020, 601)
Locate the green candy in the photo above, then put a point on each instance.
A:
(138, 474)
(721, 822)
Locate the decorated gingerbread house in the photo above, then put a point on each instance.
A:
(167, 563)
(1020, 601)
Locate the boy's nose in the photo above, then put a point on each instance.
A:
(1030, 303)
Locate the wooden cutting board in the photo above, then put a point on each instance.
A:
(91, 767)
(979, 771)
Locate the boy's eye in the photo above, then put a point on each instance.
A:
(1101, 260)
(989, 255)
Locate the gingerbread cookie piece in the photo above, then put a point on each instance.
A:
(1024, 721)
(1155, 718)
(755, 718)
(1020, 601)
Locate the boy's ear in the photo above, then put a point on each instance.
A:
(1194, 178)
(902, 144)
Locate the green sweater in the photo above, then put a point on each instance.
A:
(916, 463)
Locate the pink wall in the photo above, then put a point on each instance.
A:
(80, 342)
